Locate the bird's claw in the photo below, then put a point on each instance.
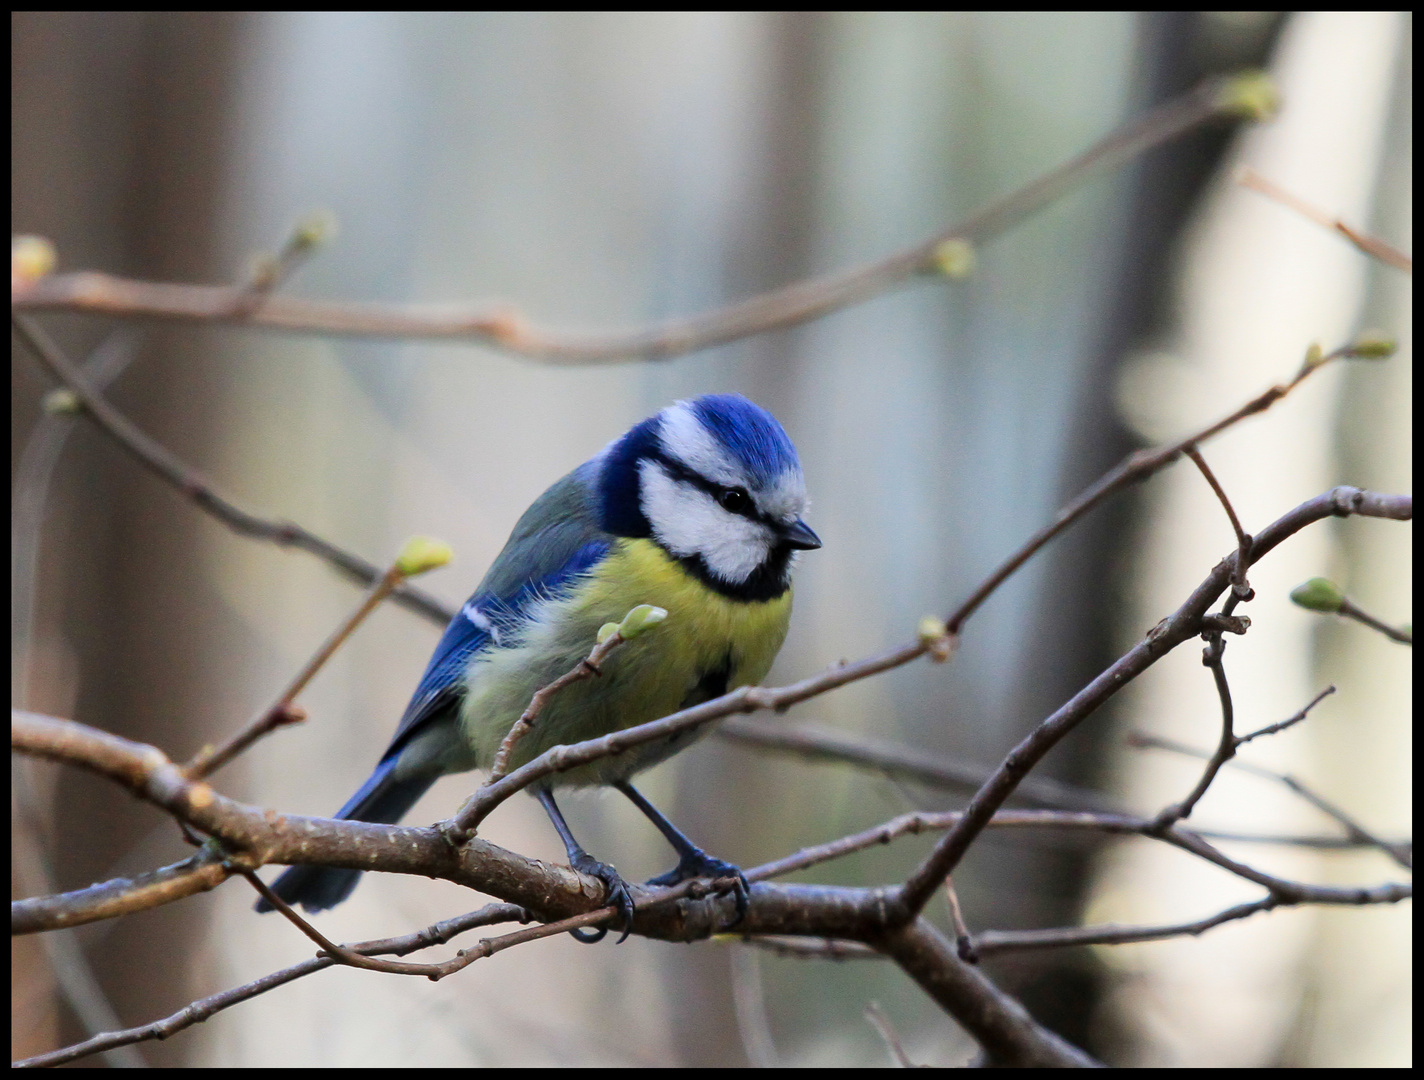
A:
(698, 864)
(616, 894)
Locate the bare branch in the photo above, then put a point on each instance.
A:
(1350, 610)
(121, 896)
(997, 941)
(1184, 624)
(1243, 538)
(876, 1015)
(902, 762)
(158, 460)
(1212, 657)
(1402, 853)
(418, 555)
(503, 329)
(1290, 892)
(1133, 469)
(913, 824)
(812, 949)
(198, 1011)
(963, 940)
(589, 667)
(1006, 1031)
(1370, 245)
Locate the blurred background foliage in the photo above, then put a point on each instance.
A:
(605, 170)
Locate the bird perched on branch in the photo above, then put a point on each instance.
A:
(696, 510)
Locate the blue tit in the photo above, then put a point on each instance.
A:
(696, 510)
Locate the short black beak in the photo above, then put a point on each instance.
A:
(799, 535)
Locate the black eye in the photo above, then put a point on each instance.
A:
(735, 501)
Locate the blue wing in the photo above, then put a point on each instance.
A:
(556, 541)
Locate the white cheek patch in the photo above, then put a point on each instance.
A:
(685, 439)
(687, 522)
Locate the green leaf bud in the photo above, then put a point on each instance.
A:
(641, 619)
(1373, 345)
(61, 401)
(1251, 95)
(1319, 594)
(934, 635)
(31, 258)
(422, 553)
(316, 228)
(954, 258)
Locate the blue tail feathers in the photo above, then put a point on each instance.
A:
(383, 799)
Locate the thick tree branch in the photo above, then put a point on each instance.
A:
(1000, 1024)
(121, 896)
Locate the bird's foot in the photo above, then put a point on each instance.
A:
(616, 894)
(698, 864)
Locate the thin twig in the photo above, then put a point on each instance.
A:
(1243, 538)
(1350, 610)
(160, 461)
(119, 896)
(1212, 657)
(811, 948)
(1402, 853)
(587, 668)
(269, 272)
(487, 947)
(1182, 625)
(204, 1008)
(876, 1015)
(504, 329)
(1370, 245)
(997, 941)
(284, 711)
(917, 822)
(1133, 469)
(963, 940)
(1290, 721)
(901, 762)
(1289, 892)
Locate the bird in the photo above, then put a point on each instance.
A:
(696, 510)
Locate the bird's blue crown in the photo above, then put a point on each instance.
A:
(748, 436)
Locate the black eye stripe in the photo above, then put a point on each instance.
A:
(719, 492)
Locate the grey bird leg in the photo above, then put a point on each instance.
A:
(585, 863)
(693, 862)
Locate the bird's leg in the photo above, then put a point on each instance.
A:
(692, 862)
(585, 863)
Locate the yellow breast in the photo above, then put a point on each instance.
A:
(649, 677)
